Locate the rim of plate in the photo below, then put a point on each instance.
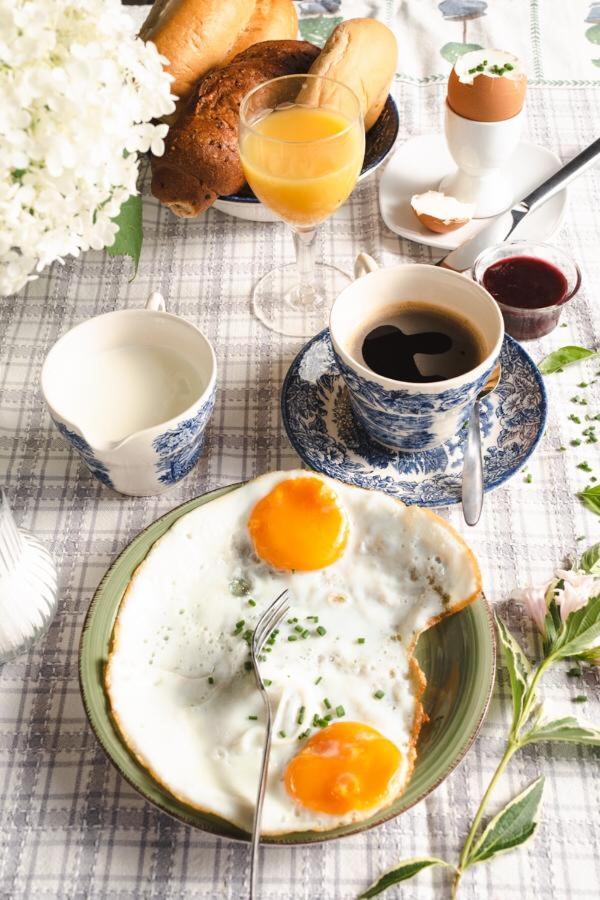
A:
(430, 504)
(391, 104)
(185, 813)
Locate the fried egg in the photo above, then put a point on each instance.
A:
(366, 575)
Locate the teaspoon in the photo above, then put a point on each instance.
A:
(472, 479)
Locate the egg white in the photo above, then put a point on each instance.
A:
(403, 568)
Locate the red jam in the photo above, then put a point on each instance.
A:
(531, 287)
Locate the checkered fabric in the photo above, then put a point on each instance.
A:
(70, 827)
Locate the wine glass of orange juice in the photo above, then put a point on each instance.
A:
(302, 144)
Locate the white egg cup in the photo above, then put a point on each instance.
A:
(482, 152)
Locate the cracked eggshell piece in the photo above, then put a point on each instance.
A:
(487, 86)
(440, 213)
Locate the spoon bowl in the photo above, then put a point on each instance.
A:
(472, 480)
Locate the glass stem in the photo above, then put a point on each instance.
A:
(304, 244)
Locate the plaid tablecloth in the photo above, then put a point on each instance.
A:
(70, 827)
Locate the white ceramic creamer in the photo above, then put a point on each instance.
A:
(132, 391)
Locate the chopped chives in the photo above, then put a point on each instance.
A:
(584, 466)
(251, 602)
(326, 703)
(282, 734)
(305, 633)
(321, 631)
(360, 640)
(328, 717)
(253, 718)
(313, 618)
(304, 734)
(340, 711)
(580, 698)
(300, 716)
(211, 680)
(299, 629)
(248, 666)
(575, 672)
(379, 695)
(320, 678)
(315, 720)
(267, 681)
(292, 637)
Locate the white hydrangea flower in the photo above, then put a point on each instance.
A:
(79, 93)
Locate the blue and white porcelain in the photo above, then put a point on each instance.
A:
(404, 415)
(321, 425)
(148, 461)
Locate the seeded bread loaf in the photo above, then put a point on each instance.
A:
(198, 35)
(201, 159)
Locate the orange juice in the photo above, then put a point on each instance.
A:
(303, 162)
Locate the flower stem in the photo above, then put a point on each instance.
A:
(511, 749)
(513, 744)
(530, 695)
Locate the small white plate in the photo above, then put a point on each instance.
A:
(420, 164)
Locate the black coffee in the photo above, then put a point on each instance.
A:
(420, 342)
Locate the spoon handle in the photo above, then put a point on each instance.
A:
(472, 479)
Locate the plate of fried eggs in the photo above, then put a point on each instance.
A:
(379, 677)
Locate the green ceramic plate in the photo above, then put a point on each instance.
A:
(457, 656)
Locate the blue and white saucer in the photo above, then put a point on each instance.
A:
(320, 425)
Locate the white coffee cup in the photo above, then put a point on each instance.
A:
(179, 361)
(404, 415)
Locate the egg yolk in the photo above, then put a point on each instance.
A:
(346, 766)
(299, 525)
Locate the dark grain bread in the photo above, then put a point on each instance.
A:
(201, 159)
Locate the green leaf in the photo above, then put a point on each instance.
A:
(581, 631)
(453, 50)
(317, 29)
(128, 241)
(593, 34)
(519, 669)
(403, 872)
(567, 729)
(590, 560)
(512, 826)
(566, 356)
(590, 497)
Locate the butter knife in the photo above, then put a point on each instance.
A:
(503, 226)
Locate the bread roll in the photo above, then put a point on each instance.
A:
(201, 158)
(198, 35)
(361, 53)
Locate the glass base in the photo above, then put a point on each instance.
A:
(288, 308)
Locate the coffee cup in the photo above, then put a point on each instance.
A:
(405, 415)
(132, 391)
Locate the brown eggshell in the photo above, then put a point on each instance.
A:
(432, 223)
(487, 99)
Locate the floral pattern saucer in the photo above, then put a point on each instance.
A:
(321, 427)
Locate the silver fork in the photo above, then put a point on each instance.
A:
(269, 620)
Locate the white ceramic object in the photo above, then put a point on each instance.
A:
(28, 586)
(151, 459)
(421, 162)
(482, 152)
(404, 415)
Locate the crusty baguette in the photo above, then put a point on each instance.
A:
(201, 159)
(363, 54)
(198, 35)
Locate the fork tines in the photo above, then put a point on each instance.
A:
(269, 620)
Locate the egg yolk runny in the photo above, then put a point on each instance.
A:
(346, 766)
(299, 525)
